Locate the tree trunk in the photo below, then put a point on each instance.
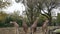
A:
(50, 17)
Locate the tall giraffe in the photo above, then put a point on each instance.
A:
(34, 26)
(16, 26)
(45, 27)
(24, 25)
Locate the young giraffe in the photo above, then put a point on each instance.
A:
(25, 27)
(16, 26)
(44, 27)
(34, 25)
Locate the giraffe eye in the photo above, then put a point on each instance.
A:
(17, 1)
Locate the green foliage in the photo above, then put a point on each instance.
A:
(19, 21)
(43, 5)
(41, 20)
(54, 22)
(6, 18)
(57, 31)
(58, 18)
(4, 22)
(2, 16)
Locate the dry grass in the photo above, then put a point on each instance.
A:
(11, 30)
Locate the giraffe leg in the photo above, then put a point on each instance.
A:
(25, 31)
(32, 31)
(44, 32)
(17, 31)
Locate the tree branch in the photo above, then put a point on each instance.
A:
(45, 15)
(44, 12)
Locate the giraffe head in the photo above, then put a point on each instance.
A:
(12, 22)
(47, 20)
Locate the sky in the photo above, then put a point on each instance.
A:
(53, 12)
(20, 7)
(15, 7)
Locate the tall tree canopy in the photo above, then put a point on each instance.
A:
(40, 6)
(4, 4)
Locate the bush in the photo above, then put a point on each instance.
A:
(57, 30)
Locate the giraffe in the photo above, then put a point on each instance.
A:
(34, 25)
(16, 26)
(44, 26)
(25, 27)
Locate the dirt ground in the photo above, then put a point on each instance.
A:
(11, 30)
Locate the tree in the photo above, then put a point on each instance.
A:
(17, 1)
(31, 13)
(4, 4)
(13, 17)
(49, 5)
(3, 15)
(58, 19)
(41, 6)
